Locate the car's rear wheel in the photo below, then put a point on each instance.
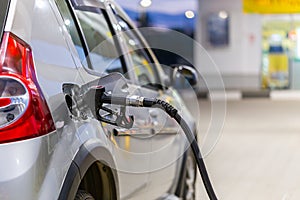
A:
(190, 178)
(83, 195)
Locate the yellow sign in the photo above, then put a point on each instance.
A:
(271, 6)
(278, 70)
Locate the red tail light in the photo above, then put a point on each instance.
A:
(23, 109)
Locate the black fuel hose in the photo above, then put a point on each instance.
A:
(172, 112)
(138, 101)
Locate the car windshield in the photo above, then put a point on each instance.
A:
(3, 12)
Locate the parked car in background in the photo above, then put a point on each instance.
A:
(45, 152)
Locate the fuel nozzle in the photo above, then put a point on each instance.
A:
(96, 97)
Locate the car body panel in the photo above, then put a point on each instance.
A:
(51, 56)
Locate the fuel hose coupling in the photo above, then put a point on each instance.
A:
(134, 100)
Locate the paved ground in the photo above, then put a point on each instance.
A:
(258, 154)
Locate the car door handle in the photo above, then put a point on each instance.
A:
(144, 131)
(133, 132)
(167, 131)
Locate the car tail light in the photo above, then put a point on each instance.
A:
(23, 110)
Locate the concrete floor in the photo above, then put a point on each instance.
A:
(258, 153)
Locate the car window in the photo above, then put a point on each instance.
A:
(101, 54)
(71, 28)
(144, 67)
(4, 4)
(141, 62)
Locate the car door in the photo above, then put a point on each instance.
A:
(90, 28)
(167, 141)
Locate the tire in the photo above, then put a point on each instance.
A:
(190, 178)
(83, 195)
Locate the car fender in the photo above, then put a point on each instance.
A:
(90, 152)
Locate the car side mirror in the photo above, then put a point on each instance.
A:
(189, 73)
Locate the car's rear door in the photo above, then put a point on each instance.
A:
(167, 142)
(100, 56)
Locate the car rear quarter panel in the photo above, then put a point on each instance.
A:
(36, 168)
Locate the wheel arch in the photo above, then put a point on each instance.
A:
(94, 159)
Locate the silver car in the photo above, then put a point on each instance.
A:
(48, 150)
